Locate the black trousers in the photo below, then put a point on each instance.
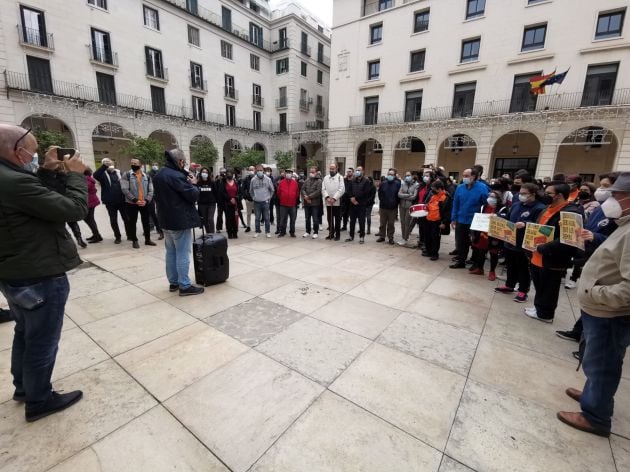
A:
(112, 210)
(357, 212)
(333, 215)
(132, 221)
(91, 222)
(153, 216)
(231, 220)
(517, 265)
(76, 231)
(432, 238)
(220, 214)
(462, 241)
(547, 283)
(206, 213)
(345, 211)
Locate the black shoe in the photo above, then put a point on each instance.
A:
(5, 315)
(425, 254)
(569, 335)
(380, 240)
(292, 235)
(348, 240)
(368, 232)
(337, 238)
(248, 229)
(19, 397)
(362, 241)
(434, 258)
(56, 402)
(343, 228)
(577, 355)
(81, 243)
(192, 290)
(281, 235)
(135, 245)
(457, 265)
(90, 239)
(117, 241)
(173, 287)
(391, 242)
(95, 239)
(453, 253)
(148, 242)
(470, 261)
(328, 238)
(161, 236)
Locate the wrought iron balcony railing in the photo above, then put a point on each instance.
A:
(35, 37)
(157, 73)
(258, 101)
(103, 56)
(230, 93)
(282, 102)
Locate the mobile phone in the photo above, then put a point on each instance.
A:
(65, 151)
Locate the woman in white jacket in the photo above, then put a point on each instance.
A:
(333, 189)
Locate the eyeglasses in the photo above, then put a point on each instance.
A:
(21, 138)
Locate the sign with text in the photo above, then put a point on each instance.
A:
(571, 226)
(481, 222)
(536, 235)
(502, 229)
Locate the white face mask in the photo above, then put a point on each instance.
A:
(601, 195)
(612, 208)
(312, 175)
(155, 167)
(204, 175)
(492, 202)
(523, 198)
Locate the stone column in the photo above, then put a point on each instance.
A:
(549, 151)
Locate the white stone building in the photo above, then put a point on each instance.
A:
(228, 70)
(415, 82)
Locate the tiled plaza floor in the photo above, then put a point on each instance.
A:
(314, 356)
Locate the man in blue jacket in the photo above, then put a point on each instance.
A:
(176, 193)
(388, 206)
(469, 197)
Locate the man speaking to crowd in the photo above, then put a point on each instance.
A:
(35, 254)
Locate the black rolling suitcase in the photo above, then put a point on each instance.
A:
(210, 258)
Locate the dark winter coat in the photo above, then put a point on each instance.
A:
(359, 188)
(312, 188)
(388, 194)
(557, 256)
(111, 193)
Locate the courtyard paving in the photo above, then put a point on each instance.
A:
(314, 356)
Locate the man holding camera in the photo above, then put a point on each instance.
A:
(33, 269)
(137, 188)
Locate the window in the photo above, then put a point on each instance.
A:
(385, 4)
(255, 34)
(198, 108)
(376, 33)
(157, 99)
(320, 77)
(256, 95)
(530, 2)
(196, 76)
(599, 86)
(283, 39)
(283, 122)
(374, 70)
(304, 45)
(226, 18)
(610, 25)
(303, 67)
(371, 111)
(257, 121)
(230, 90)
(470, 50)
(230, 115)
(304, 101)
(226, 50)
(320, 52)
(106, 88)
(254, 61)
(282, 65)
(534, 37)
(475, 8)
(101, 47)
(464, 99)
(421, 21)
(522, 97)
(33, 27)
(319, 105)
(282, 98)
(191, 6)
(193, 36)
(154, 63)
(417, 61)
(413, 105)
(39, 74)
(98, 3)
(151, 18)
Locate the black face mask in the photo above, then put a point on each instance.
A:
(332, 174)
(135, 168)
(584, 196)
(516, 188)
(547, 199)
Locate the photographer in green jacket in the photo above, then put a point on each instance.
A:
(35, 254)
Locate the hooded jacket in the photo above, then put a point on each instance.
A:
(175, 197)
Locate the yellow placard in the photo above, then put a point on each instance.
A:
(536, 235)
(502, 229)
(571, 226)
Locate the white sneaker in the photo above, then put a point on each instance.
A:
(315, 236)
(402, 243)
(534, 315)
(256, 235)
(530, 310)
(569, 284)
(306, 235)
(268, 235)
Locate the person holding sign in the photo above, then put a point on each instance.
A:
(482, 244)
(526, 210)
(551, 260)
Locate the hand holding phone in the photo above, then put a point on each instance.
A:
(62, 152)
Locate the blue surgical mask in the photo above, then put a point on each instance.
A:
(204, 175)
(390, 178)
(426, 179)
(357, 173)
(466, 180)
(408, 178)
(260, 174)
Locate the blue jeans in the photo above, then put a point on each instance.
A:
(178, 248)
(262, 208)
(314, 213)
(37, 307)
(606, 342)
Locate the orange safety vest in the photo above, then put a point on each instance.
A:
(434, 206)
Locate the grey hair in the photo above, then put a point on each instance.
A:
(9, 134)
(178, 154)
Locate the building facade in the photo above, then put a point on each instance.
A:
(231, 71)
(416, 82)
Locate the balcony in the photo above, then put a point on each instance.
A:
(305, 49)
(307, 125)
(555, 102)
(280, 45)
(305, 104)
(258, 101)
(103, 57)
(230, 93)
(160, 74)
(199, 85)
(323, 60)
(82, 95)
(35, 38)
(320, 111)
(282, 102)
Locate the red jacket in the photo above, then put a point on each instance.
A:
(288, 192)
(93, 200)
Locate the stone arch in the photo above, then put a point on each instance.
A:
(230, 148)
(196, 141)
(44, 122)
(310, 151)
(370, 157)
(409, 154)
(515, 150)
(588, 151)
(111, 140)
(260, 147)
(165, 138)
(457, 153)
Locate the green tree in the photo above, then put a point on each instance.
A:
(203, 152)
(311, 163)
(148, 150)
(246, 158)
(45, 139)
(284, 159)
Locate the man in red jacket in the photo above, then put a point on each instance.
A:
(288, 194)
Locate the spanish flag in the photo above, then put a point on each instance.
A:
(538, 83)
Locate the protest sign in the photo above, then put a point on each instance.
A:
(536, 235)
(502, 229)
(481, 222)
(571, 225)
